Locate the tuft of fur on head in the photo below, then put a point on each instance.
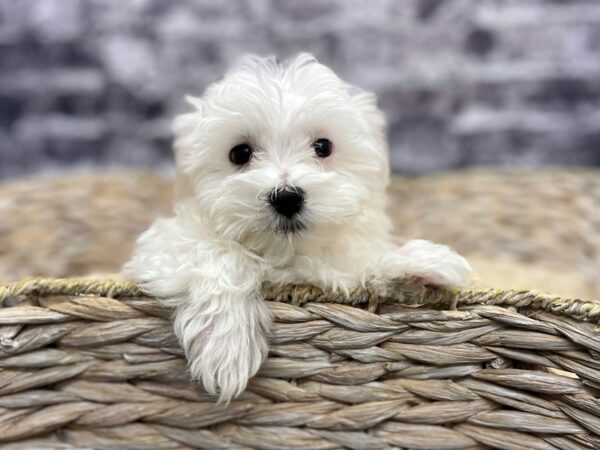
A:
(280, 109)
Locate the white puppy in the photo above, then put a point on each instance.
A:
(281, 176)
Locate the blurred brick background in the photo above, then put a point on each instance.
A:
(463, 82)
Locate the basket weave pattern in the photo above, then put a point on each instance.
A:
(95, 364)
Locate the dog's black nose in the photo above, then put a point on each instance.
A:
(287, 201)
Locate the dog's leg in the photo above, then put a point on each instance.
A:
(223, 333)
(424, 262)
(220, 318)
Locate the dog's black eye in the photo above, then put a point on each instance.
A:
(240, 154)
(323, 147)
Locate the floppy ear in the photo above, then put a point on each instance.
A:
(184, 127)
(366, 104)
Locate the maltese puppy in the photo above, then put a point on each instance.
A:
(281, 177)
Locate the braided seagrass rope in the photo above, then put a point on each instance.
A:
(300, 294)
(68, 286)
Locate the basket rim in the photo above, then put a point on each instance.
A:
(372, 296)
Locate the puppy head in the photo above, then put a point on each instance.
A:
(281, 150)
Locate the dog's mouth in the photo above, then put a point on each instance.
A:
(292, 225)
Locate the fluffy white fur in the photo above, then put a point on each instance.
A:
(210, 260)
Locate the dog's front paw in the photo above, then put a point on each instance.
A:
(225, 363)
(427, 263)
(437, 264)
(224, 350)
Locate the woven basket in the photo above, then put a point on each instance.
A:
(94, 364)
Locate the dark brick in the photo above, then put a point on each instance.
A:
(567, 93)
(422, 144)
(426, 9)
(153, 110)
(11, 109)
(305, 10)
(588, 146)
(480, 41)
(76, 151)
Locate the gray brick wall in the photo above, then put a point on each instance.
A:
(463, 82)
